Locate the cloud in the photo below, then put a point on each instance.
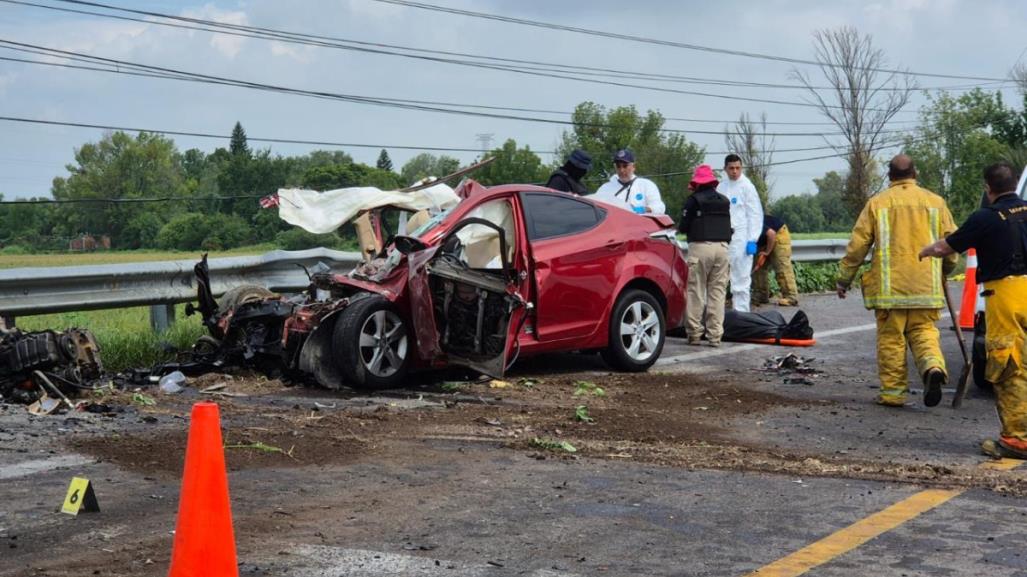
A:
(6, 79)
(230, 46)
(302, 54)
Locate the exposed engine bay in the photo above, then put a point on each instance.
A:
(34, 365)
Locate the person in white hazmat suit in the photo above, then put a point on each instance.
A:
(746, 225)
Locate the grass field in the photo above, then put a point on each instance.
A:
(113, 257)
(819, 235)
(124, 335)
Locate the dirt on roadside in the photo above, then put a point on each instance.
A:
(666, 419)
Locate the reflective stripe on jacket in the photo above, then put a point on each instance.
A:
(896, 224)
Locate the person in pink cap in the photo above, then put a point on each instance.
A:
(706, 221)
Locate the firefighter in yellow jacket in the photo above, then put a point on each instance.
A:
(999, 233)
(905, 292)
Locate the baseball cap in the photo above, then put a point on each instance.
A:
(624, 155)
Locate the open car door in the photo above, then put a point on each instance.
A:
(468, 286)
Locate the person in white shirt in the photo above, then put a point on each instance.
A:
(628, 191)
(746, 225)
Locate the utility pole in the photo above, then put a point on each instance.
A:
(485, 139)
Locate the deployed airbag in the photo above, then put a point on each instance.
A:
(323, 212)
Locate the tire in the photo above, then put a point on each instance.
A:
(636, 347)
(242, 294)
(364, 358)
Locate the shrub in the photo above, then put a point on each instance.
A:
(184, 232)
(226, 231)
(299, 239)
(15, 249)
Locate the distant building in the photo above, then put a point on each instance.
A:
(89, 243)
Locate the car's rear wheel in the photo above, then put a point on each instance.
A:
(637, 332)
(371, 344)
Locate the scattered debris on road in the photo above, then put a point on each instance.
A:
(796, 369)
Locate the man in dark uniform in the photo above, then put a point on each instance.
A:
(706, 220)
(999, 233)
(568, 177)
(774, 250)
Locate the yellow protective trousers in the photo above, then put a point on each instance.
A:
(780, 259)
(1005, 313)
(895, 329)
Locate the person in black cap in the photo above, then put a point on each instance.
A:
(628, 191)
(568, 177)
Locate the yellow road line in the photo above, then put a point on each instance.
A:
(861, 531)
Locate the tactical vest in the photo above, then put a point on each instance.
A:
(571, 185)
(1015, 219)
(712, 219)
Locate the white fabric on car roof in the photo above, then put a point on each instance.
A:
(323, 212)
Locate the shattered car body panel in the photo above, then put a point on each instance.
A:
(510, 271)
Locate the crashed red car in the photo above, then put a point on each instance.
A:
(510, 271)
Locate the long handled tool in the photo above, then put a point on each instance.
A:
(964, 377)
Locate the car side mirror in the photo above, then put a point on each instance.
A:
(408, 244)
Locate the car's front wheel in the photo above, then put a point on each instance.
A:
(637, 332)
(371, 344)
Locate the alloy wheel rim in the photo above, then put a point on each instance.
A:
(383, 343)
(640, 331)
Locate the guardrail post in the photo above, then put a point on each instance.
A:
(162, 316)
(7, 321)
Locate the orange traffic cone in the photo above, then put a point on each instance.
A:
(970, 292)
(204, 540)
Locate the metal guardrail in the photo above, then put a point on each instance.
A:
(162, 284)
(811, 250)
(819, 250)
(33, 291)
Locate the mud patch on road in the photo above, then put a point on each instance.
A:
(760, 460)
(262, 431)
(667, 419)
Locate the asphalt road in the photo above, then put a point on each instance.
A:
(474, 506)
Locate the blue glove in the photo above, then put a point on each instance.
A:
(750, 247)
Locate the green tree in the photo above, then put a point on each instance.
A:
(800, 212)
(426, 164)
(830, 200)
(238, 146)
(666, 158)
(955, 140)
(512, 166)
(384, 162)
(118, 167)
(335, 176)
(29, 224)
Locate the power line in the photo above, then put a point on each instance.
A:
(430, 102)
(263, 33)
(119, 66)
(326, 142)
(320, 40)
(142, 200)
(659, 42)
(248, 137)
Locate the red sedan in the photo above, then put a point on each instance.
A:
(510, 271)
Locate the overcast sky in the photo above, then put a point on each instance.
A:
(979, 38)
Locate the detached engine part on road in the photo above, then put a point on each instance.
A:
(68, 360)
